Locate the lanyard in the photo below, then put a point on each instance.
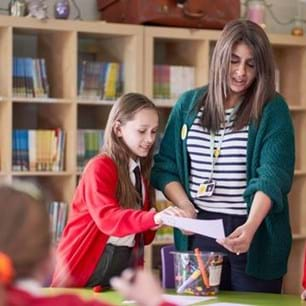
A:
(215, 153)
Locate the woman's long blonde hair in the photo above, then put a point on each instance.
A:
(123, 111)
(263, 87)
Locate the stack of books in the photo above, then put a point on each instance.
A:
(170, 82)
(100, 80)
(58, 217)
(89, 144)
(38, 150)
(30, 77)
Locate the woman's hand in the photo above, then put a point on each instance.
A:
(140, 286)
(239, 240)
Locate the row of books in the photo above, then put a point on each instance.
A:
(58, 216)
(169, 82)
(100, 80)
(38, 150)
(89, 144)
(30, 77)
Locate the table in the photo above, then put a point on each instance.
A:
(256, 299)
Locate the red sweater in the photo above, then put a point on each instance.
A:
(95, 215)
(17, 297)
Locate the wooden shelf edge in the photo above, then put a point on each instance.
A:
(299, 172)
(42, 100)
(299, 236)
(42, 173)
(297, 108)
(162, 242)
(90, 101)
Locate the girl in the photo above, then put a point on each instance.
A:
(110, 220)
(25, 257)
(228, 151)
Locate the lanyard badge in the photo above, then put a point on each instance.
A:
(206, 189)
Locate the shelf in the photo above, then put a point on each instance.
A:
(300, 172)
(162, 242)
(85, 101)
(42, 173)
(41, 100)
(299, 236)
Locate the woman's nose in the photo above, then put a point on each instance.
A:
(241, 69)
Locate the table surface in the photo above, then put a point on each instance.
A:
(257, 299)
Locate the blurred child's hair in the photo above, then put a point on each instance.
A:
(24, 232)
(123, 111)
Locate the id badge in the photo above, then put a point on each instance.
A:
(206, 189)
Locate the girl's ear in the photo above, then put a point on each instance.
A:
(117, 128)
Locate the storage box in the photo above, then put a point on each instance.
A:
(208, 14)
(197, 274)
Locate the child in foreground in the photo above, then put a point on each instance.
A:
(25, 255)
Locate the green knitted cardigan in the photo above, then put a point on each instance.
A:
(270, 169)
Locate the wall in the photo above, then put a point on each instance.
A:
(283, 9)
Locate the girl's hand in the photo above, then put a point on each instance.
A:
(172, 211)
(140, 286)
(239, 240)
(303, 295)
(155, 228)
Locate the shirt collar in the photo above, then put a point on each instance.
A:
(133, 164)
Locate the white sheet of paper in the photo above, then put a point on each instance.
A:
(209, 228)
(185, 300)
(230, 304)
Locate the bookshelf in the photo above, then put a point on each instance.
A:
(62, 44)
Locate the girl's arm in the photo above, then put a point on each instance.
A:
(240, 239)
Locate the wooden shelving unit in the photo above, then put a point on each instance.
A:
(138, 48)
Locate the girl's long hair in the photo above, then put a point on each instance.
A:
(261, 90)
(123, 111)
(24, 230)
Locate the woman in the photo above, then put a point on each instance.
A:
(228, 152)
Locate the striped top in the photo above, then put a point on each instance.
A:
(229, 171)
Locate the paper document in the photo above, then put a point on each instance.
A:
(230, 304)
(185, 300)
(209, 228)
(182, 300)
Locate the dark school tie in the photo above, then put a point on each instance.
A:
(138, 185)
(139, 239)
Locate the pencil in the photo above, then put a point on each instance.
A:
(201, 267)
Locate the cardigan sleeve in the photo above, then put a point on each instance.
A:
(276, 153)
(99, 192)
(165, 169)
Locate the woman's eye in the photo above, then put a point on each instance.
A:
(141, 131)
(251, 65)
